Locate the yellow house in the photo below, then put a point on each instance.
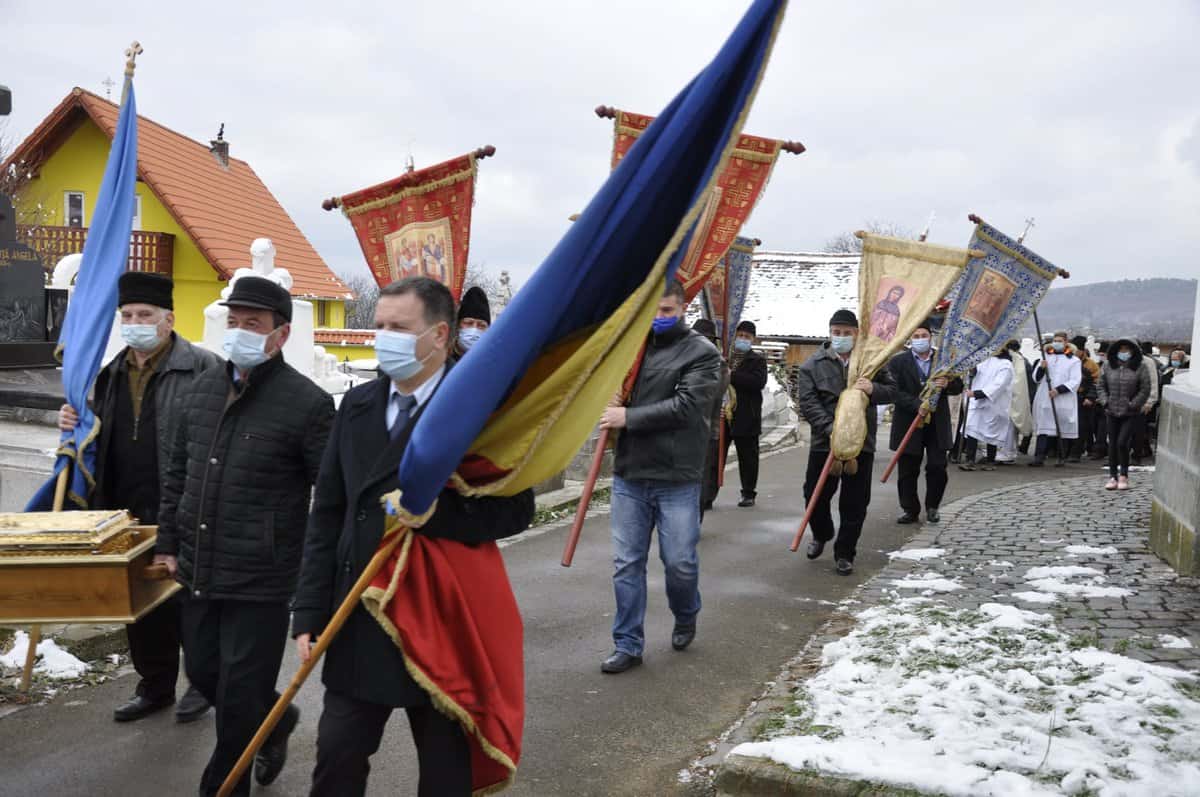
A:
(197, 209)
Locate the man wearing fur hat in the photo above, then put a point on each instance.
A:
(136, 400)
(748, 375)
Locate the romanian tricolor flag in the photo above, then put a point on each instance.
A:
(517, 409)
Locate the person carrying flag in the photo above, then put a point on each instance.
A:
(657, 473)
(246, 451)
(365, 675)
(1055, 409)
(136, 398)
(748, 375)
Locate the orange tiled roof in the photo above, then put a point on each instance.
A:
(344, 337)
(222, 210)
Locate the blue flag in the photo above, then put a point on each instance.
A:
(90, 314)
(540, 377)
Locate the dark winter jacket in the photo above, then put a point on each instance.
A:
(748, 380)
(819, 383)
(1123, 387)
(344, 531)
(718, 411)
(666, 422)
(909, 382)
(236, 491)
(172, 382)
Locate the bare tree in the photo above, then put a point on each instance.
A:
(848, 243)
(496, 288)
(360, 311)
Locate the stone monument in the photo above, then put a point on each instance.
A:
(22, 298)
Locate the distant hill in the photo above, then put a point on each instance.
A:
(1158, 310)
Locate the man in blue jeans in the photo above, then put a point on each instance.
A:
(657, 475)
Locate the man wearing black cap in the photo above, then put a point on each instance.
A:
(748, 375)
(231, 524)
(474, 317)
(712, 460)
(819, 383)
(135, 399)
(910, 372)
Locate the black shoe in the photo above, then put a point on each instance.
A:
(682, 636)
(138, 706)
(844, 567)
(1060, 464)
(746, 501)
(967, 466)
(932, 515)
(987, 464)
(1074, 460)
(192, 706)
(619, 661)
(273, 755)
(907, 518)
(1037, 463)
(815, 548)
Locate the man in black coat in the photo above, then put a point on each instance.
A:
(235, 498)
(910, 372)
(136, 398)
(657, 472)
(365, 676)
(748, 375)
(819, 384)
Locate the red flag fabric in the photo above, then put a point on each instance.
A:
(457, 623)
(418, 223)
(737, 190)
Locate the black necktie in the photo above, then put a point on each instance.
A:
(404, 405)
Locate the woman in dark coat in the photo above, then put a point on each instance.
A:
(1123, 389)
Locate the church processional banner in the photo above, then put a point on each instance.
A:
(724, 295)
(418, 223)
(734, 196)
(899, 283)
(991, 301)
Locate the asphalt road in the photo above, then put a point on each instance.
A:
(585, 733)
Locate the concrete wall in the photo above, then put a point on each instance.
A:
(1175, 512)
(26, 456)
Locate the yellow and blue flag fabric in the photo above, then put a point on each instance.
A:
(89, 316)
(516, 410)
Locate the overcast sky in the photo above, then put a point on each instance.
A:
(1083, 115)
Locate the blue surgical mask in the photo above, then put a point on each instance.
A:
(397, 353)
(842, 344)
(1059, 348)
(141, 337)
(742, 345)
(662, 325)
(921, 345)
(244, 348)
(468, 337)
(1124, 356)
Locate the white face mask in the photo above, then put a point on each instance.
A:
(842, 344)
(397, 353)
(468, 337)
(244, 348)
(141, 337)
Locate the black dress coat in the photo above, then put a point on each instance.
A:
(909, 384)
(344, 531)
(748, 379)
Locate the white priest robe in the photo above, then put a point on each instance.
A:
(1021, 411)
(987, 418)
(1065, 370)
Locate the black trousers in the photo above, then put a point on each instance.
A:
(232, 652)
(154, 648)
(852, 504)
(1120, 443)
(973, 447)
(1047, 444)
(1142, 435)
(747, 451)
(350, 732)
(712, 466)
(910, 472)
(1076, 448)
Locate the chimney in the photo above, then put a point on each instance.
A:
(220, 148)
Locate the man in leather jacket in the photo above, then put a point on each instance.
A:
(657, 475)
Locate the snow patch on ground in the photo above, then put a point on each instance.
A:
(1053, 580)
(1060, 572)
(1178, 642)
(52, 661)
(1059, 541)
(992, 702)
(1001, 564)
(933, 582)
(917, 554)
(1090, 550)
(1035, 597)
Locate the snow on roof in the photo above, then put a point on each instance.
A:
(793, 294)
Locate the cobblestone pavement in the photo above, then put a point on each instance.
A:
(991, 541)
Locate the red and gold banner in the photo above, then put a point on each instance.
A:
(737, 190)
(418, 223)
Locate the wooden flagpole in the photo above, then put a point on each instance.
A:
(323, 642)
(35, 631)
(1037, 326)
(812, 502)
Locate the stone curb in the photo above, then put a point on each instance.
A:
(750, 777)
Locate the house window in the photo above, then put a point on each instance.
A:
(73, 208)
(137, 211)
(322, 311)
